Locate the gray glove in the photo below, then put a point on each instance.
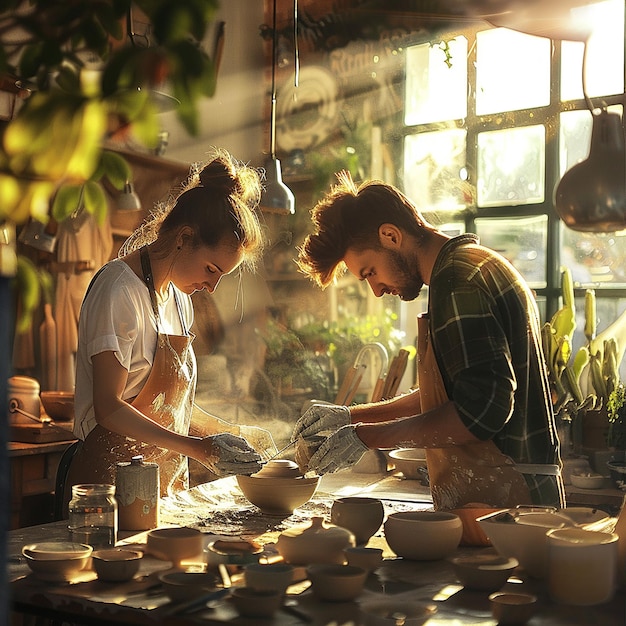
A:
(341, 449)
(320, 418)
(231, 454)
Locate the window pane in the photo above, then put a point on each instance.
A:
(436, 91)
(433, 165)
(596, 259)
(512, 71)
(523, 241)
(511, 166)
(605, 56)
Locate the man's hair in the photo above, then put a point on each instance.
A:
(349, 217)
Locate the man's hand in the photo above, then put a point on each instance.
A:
(320, 418)
(341, 449)
(229, 454)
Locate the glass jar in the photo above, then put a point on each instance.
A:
(93, 515)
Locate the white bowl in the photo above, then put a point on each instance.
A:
(423, 535)
(116, 564)
(180, 585)
(175, 544)
(56, 550)
(513, 608)
(253, 603)
(587, 481)
(336, 583)
(56, 561)
(410, 461)
(386, 612)
(521, 534)
(483, 572)
(277, 495)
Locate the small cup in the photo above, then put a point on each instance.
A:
(367, 558)
(362, 516)
(256, 602)
(512, 608)
(276, 576)
(582, 566)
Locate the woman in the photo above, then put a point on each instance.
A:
(136, 369)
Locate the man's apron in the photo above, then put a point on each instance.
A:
(166, 398)
(459, 475)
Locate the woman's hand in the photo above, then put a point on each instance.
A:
(225, 454)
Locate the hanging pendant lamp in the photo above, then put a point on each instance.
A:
(277, 197)
(591, 195)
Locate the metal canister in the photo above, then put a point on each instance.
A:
(137, 490)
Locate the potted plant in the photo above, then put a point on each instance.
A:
(616, 438)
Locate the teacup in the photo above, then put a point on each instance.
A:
(362, 516)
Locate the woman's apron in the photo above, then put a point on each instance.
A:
(464, 474)
(166, 398)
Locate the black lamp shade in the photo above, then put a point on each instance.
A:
(591, 196)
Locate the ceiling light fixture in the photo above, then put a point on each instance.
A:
(128, 200)
(277, 197)
(591, 195)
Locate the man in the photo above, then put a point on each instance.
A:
(483, 410)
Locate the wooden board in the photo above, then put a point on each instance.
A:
(41, 433)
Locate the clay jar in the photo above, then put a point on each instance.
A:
(362, 516)
(318, 542)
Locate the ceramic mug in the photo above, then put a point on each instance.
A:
(362, 516)
(582, 566)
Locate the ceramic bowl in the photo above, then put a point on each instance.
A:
(56, 561)
(583, 515)
(279, 468)
(277, 496)
(367, 558)
(389, 612)
(336, 583)
(362, 516)
(410, 461)
(175, 544)
(512, 608)
(256, 602)
(423, 535)
(59, 405)
(521, 534)
(180, 585)
(276, 576)
(483, 572)
(587, 481)
(236, 552)
(56, 550)
(617, 471)
(116, 565)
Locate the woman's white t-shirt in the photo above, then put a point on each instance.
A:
(116, 315)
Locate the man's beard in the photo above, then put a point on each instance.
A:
(409, 282)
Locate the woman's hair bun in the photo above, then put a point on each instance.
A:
(216, 176)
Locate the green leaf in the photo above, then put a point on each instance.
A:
(66, 201)
(146, 126)
(116, 169)
(95, 201)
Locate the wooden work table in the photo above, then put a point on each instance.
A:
(220, 510)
